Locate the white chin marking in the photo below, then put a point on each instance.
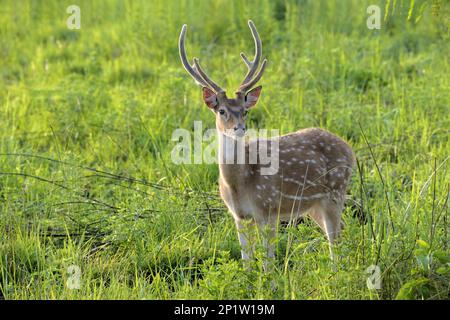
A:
(235, 134)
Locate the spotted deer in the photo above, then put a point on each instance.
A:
(314, 165)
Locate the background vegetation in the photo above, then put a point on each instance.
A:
(86, 118)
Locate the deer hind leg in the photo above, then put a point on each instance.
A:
(327, 214)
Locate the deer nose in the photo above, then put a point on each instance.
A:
(239, 126)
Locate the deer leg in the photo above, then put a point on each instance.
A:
(246, 248)
(268, 230)
(328, 216)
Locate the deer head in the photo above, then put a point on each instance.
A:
(230, 113)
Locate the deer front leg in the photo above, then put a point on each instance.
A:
(246, 247)
(268, 231)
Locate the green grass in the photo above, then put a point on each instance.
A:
(86, 118)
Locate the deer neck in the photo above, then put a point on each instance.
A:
(232, 171)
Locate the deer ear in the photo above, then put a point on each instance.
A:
(251, 98)
(210, 98)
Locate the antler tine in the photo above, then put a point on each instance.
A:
(247, 86)
(202, 73)
(184, 60)
(252, 65)
(195, 70)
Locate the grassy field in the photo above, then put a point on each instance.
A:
(89, 194)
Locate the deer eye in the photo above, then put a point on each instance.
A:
(222, 111)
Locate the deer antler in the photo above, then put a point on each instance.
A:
(250, 80)
(195, 70)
